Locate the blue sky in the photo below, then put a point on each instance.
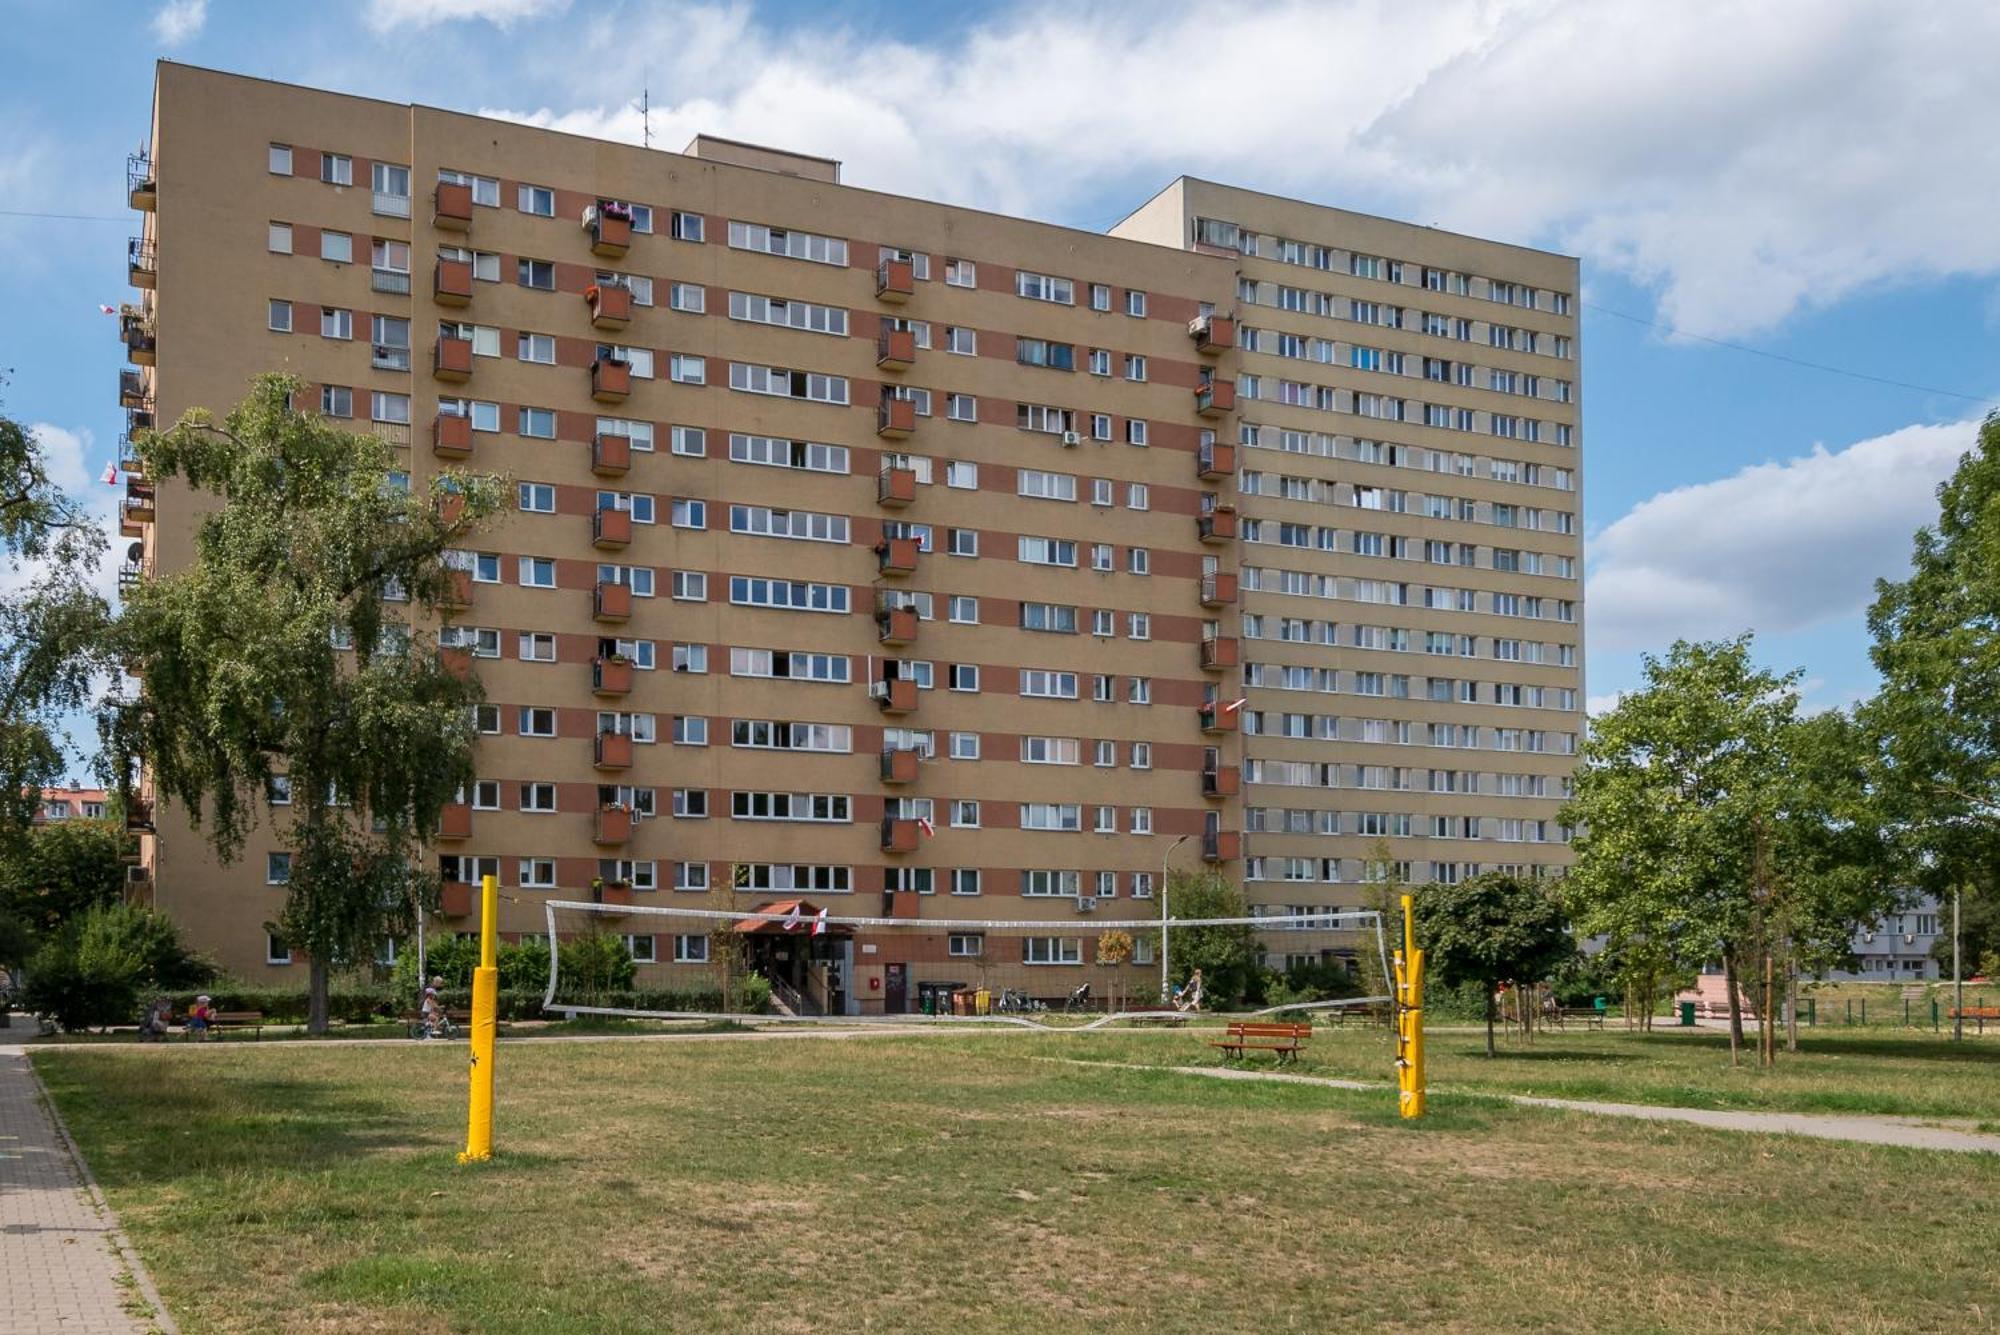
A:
(1810, 178)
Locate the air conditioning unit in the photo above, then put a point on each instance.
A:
(1072, 438)
(878, 690)
(1086, 904)
(1909, 938)
(1198, 327)
(1868, 936)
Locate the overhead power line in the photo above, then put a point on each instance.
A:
(64, 217)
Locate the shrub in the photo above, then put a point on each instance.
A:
(94, 970)
(596, 964)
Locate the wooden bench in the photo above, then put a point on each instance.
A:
(251, 1020)
(1369, 1014)
(1592, 1017)
(1979, 1015)
(1286, 1040)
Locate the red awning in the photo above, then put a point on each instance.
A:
(771, 918)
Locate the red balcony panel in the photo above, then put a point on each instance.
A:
(1212, 333)
(899, 765)
(896, 349)
(610, 305)
(1221, 782)
(458, 589)
(896, 419)
(1222, 846)
(896, 487)
(455, 660)
(610, 234)
(904, 904)
(455, 821)
(451, 508)
(898, 696)
(614, 825)
(1215, 461)
(1219, 651)
(1218, 590)
(451, 437)
(1215, 397)
(611, 676)
(614, 750)
(613, 602)
(610, 380)
(451, 283)
(451, 360)
(1216, 720)
(614, 892)
(610, 456)
(1218, 525)
(451, 207)
(456, 898)
(899, 836)
(897, 625)
(895, 280)
(611, 529)
(896, 556)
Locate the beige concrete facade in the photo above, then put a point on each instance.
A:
(918, 417)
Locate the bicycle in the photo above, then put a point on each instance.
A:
(444, 1028)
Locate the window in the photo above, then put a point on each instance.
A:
(684, 369)
(689, 297)
(538, 348)
(275, 949)
(1052, 950)
(1100, 296)
(538, 572)
(686, 227)
(794, 245)
(280, 161)
(336, 246)
(485, 190)
(537, 497)
(963, 677)
(1137, 496)
(538, 274)
(690, 586)
(690, 730)
(961, 408)
(965, 945)
(538, 796)
(336, 401)
(963, 542)
(691, 875)
(391, 188)
(538, 200)
(964, 746)
(691, 949)
(539, 423)
(964, 342)
(336, 169)
(535, 721)
(1135, 367)
(685, 513)
(386, 407)
(280, 317)
(961, 273)
(277, 869)
(1042, 287)
(1135, 431)
(279, 241)
(1135, 304)
(964, 610)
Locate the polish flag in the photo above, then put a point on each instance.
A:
(792, 919)
(1235, 705)
(819, 924)
(930, 831)
(108, 310)
(110, 475)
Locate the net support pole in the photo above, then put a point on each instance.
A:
(1409, 1019)
(485, 1023)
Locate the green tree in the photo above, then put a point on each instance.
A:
(1937, 647)
(280, 652)
(98, 967)
(1491, 929)
(55, 873)
(52, 624)
(1675, 808)
(1226, 956)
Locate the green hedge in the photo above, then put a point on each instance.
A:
(359, 1005)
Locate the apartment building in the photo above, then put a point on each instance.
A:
(63, 804)
(869, 552)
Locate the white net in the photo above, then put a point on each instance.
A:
(797, 961)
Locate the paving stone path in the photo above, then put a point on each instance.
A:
(64, 1264)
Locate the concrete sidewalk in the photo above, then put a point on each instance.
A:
(64, 1263)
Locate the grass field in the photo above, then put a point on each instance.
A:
(933, 1182)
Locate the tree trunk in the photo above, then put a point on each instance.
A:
(316, 1009)
(1735, 1005)
(1791, 1007)
(1489, 1019)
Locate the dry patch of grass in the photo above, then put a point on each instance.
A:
(928, 1183)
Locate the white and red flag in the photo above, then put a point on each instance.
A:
(792, 919)
(930, 830)
(1235, 705)
(819, 924)
(110, 475)
(108, 310)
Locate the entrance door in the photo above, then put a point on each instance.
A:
(895, 989)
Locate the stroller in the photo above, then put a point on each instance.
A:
(1079, 1000)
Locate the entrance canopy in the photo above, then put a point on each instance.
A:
(788, 916)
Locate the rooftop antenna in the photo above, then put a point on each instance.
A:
(646, 114)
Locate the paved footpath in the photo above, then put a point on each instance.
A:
(64, 1264)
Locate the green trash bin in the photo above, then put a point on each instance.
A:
(1687, 1015)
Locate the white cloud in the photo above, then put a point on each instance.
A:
(1749, 157)
(387, 15)
(1775, 547)
(1593, 705)
(177, 21)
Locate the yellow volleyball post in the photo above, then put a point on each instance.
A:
(1409, 1018)
(485, 1016)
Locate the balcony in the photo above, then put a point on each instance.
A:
(138, 815)
(455, 821)
(896, 419)
(393, 282)
(616, 894)
(137, 335)
(899, 836)
(614, 825)
(456, 898)
(1221, 846)
(455, 661)
(451, 437)
(138, 419)
(132, 389)
(610, 380)
(139, 502)
(612, 602)
(1212, 334)
(1217, 721)
(457, 590)
(451, 360)
(1218, 652)
(450, 507)
(142, 189)
(896, 696)
(1212, 461)
(610, 305)
(451, 283)
(1218, 525)
(611, 676)
(610, 456)
(895, 281)
(141, 268)
(896, 487)
(610, 230)
(899, 764)
(896, 625)
(1218, 590)
(896, 349)
(1220, 783)
(1213, 398)
(128, 457)
(614, 751)
(610, 529)
(896, 556)
(131, 574)
(451, 207)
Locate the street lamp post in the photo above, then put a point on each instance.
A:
(1165, 987)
